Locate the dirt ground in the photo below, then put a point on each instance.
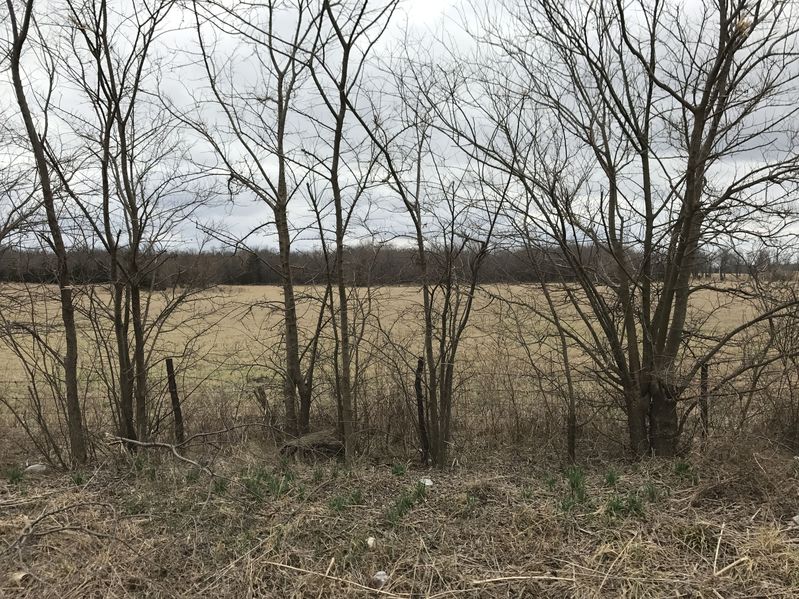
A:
(508, 524)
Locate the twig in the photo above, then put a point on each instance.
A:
(512, 578)
(718, 546)
(27, 531)
(732, 565)
(329, 566)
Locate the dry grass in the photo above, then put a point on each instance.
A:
(231, 336)
(498, 526)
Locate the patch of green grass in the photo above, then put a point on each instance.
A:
(14, 475)
(143, 465)
(550, 482)
(650, 492)
(399, 469)
(611, 477)
(318, 473)
(634, 504)
(615, 506)
(78, 478)
(685, 471)
(620, 506)
(139, 462)
(219, 486)
(192, 476)
(278, 485)
(682, 468)
(576, 479)
(261, 483)
(300, 491)
(285, 466)
(405, 502)
(577, 494)
(340, 502)
(253, 486)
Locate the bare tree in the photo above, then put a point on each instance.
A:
(338, 69)
(251, 138)
(453, 204)
(125, 168)
(634, 132)
(21, 21)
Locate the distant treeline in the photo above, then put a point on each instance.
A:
(367, 265)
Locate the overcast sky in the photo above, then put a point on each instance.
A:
(433, 30)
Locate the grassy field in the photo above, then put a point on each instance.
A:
(227, 340)
(237, 324)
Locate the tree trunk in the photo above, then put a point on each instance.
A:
(139, 364)
(703, 406)
(419, 388)
(293, 380)
(177, 413)
(77, 437)
(636, 421)
(347, 416)
(663, 422)
(127, 421)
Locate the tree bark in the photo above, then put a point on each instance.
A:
(177, 413)
(424, 440)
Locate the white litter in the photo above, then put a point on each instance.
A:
(370, 542)
(36, 469)
(426, 482)
(379, 579)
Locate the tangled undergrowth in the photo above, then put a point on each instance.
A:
(502, 526)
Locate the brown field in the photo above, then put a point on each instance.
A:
(229, 339)
(232, 323)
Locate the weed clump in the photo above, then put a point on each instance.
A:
(340, 502)
(621, 506)
(577, 495)
(405, 502)
(14, 475)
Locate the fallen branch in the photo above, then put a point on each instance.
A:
(169, 446)
(718, 546)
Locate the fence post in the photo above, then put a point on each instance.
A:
(180, 435)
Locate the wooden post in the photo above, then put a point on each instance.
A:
(425, 442)
(703, 407)
(180, 435)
